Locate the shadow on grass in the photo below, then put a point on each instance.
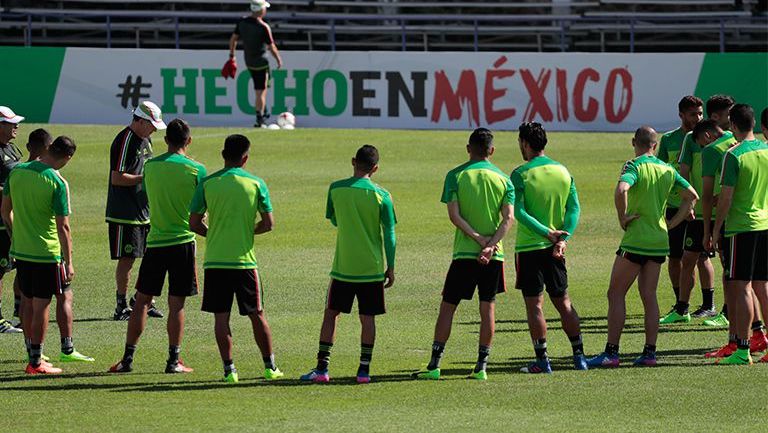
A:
(552, 319)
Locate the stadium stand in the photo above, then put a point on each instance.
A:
(536, 25)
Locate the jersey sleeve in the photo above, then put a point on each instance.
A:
(572, 211)
(521, 213)
(663, 153)
(709, 163)
(61, 204)
(450, 189)
(680, 181)
(264, 203)
(730, 174)
(237, 28)
(198, 205)
(330, 212)
(123, 156)
(388, 222)
(629, 173)
(7, 186)
(201, 174)
(509, 193)
(686, 154)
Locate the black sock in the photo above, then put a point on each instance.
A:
(130, 350)
(28, 344)
(540, 347)
(67, 345)
(649, 350)
(173, 354)
(611, 349)
(724, 311)
(677, 293)
(437, 354)
(324, 356)
(732, 338)
(35, 354)
(16, 306)
(742, 343)
(121, 302)
(1, 309)
(483, 352)
(681, 308)
(229, 367)
(708, 299)
(366, 354)
(757, 325)
(577, 345)
(269, 361)
(259, 118)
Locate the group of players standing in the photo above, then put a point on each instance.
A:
(482, 203)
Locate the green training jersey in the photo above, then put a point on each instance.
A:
(233, 198)
(712, 159)
(39, 194)
(480, 189)
(691, 155)
(170, 181)
(745, 168)
(670, 145)
(365, 218)
(650, 182)
(545, 198)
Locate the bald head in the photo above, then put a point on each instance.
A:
(645, 138)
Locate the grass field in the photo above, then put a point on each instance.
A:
(685, 391)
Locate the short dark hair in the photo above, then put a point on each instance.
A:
(534, 134)
(177, 133)
(62, 147)
(645, 136)
(689, 102)
(706, 125)
(742, 117)
(764, 118)
(481, 141)
(235, 146)
(717, 103)
(367, 157)
(39, 139)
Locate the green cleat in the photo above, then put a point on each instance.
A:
(674, 317)
(231, 378)
(427, 374)
(480, 375)
(718, 321)
(270, 374)
(75, 356)
(739, 357)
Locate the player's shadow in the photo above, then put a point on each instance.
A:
(552, 319)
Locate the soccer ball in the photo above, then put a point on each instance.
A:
(286, 120)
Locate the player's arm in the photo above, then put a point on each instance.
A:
(65, 239)
(276, 54)
(707, 201)
(197, 224)
(454, 214)
(266, 223)
(572, 212)
(125, 179)
(689, 198)
(724, 201)
(233, 44)
(620, 201)
(507, 216)
(6, 211)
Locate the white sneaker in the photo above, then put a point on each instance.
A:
(7, 327)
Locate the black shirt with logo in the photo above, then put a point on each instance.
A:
(128, 204)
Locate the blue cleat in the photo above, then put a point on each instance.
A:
(538, 366)
(316, 376)
(604, 360)
(580, 362)
(645, 361)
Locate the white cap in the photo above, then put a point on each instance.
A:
(257, 5)
(7, 115)
(150, 111)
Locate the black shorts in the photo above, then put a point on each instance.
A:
(127, 240)
(260, 77)
(6, 262)
(676, 236)
(538, 268)
(222, 285)
(465, 275)
(640, 259)
(41, 280)
(694, 237)
(746, 256)
(178, 261)
(370, 297)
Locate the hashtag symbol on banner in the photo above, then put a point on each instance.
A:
(132, 91)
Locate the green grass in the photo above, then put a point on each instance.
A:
(685, 391)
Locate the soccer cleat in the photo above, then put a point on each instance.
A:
(722, 352)
(153, 311)
(537, 367)
(75, 356)
(122, 314)
(363, 377)
(758, 342)
(231, 377)
(675, 317)
(580, 362)
(121, 367)
(16, 322)
(43, 368)
(478, 375)
(718, 321)
(316, 376)
(177, 368)
(270, 374)
(427, 374)
(739, 357)
(604, 360)
(645, 361)
(703, 313)
(7, 327)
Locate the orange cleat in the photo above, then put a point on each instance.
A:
(178, 367)
(758, 342)
(45, 368)
(722, 352)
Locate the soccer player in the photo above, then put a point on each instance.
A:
(257, 40)
(764, 122)
(547, 211)
(170, 181)
(10, 156)
(127, 206)
(742, 207)
(640, 198)
(233, 198)
(690, 110)
(480, 200)
(36, 208)
(365, 217)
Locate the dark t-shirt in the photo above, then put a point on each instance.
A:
(128, 204)
(256, 37)
(10, 156)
